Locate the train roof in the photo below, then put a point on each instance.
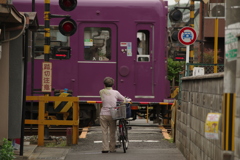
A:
(119, 9)
(103, 2)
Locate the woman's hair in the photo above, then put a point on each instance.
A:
(108, 82)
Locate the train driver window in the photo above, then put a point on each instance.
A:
(97, 44)
(57, 39)
(143, 46)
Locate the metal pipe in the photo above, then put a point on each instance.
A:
(215, 45)
(24, 89)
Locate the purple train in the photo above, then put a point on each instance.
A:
(123, 39)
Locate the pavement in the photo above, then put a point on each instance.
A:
(33, 152)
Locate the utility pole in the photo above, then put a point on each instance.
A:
(232, 29)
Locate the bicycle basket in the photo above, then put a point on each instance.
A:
(118, 112)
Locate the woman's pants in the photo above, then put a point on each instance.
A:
(106, 123)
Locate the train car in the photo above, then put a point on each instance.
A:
(122, 39)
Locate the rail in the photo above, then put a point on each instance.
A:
(149, 106)
(136, 103)
(41, 113)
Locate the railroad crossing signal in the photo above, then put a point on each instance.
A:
(68, 5)
(67, 26)
(61, 53)
(179, 56)
(175, 15)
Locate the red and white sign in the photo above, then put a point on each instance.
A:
(46, 77)
(187, 36)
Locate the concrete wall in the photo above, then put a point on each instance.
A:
(200, 96)
(4, 86)
(16, 68)
(11, 84)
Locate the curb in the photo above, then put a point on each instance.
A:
(27, 152)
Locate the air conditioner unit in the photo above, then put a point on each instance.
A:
(197, 71)
(217, 9)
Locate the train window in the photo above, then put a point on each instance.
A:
(143, 46)
(97, 44)
(57, 39)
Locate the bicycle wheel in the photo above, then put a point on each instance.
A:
(122, 136)
(125, 133)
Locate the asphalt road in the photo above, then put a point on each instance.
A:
(146, 143)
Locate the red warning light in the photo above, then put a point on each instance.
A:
(68, 5)
(61, 52)
(67, 27)
(60, 55)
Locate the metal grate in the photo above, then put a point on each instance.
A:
(208, 68)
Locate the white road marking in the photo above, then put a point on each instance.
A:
(152, 141)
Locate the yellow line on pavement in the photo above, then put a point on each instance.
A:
(84, 132)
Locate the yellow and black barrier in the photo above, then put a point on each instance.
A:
(229, 121)
(63, 106)
(42, 121)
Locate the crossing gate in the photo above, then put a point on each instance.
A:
(41, 122)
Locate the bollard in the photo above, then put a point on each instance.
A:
(69, 136)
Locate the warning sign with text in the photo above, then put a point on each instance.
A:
(46, 77)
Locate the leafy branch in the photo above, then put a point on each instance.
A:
(6, 150)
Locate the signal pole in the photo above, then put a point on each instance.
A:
(191, 24)
(47, 30)
(46, 65)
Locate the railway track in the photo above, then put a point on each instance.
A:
(56, 131)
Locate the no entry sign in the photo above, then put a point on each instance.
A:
(187, 36)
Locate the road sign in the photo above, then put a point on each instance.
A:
(46, 77)
(187, 36)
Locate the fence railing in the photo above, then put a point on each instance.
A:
(208, 68)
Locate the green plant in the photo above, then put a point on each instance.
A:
(174, 67)
(171, 140)
(54, 144)
(208, 56)
(6, 151)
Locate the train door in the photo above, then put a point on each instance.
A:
(96, 59)
(144, 74)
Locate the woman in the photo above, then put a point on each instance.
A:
(109, 98)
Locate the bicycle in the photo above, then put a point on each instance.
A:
(119, 113)
(123, 134)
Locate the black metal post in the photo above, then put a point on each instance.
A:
(24, 89)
